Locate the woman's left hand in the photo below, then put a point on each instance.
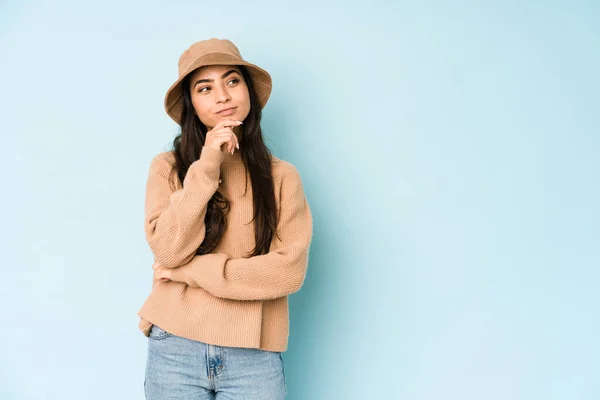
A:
(161, 273)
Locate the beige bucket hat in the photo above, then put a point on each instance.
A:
(214, 52)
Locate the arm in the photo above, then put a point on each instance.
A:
(174, 220)
(275, 274)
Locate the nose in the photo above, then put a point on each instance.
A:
(222, 95)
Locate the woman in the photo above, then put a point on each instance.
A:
(230, 229)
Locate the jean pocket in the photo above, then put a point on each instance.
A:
(158, 333)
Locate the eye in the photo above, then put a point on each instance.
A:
(201, 90)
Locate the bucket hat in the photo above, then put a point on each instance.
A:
(214, 51)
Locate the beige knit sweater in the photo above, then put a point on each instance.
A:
(225, 297)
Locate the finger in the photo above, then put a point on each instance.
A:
(223, 131)
(225, 138)
(233, 143)
(227, 126)
(227, 122)
(221, 136)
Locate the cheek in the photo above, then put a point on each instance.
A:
(196, 103)
(245, 95)
(244, 98)
(203, 110)
(200, 105)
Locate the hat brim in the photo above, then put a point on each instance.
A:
(261, 81)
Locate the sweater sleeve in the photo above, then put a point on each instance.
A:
(278, 273)
(174, 220)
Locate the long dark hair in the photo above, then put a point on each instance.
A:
(256, 158)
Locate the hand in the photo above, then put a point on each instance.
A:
(223, 134)
(161, 273)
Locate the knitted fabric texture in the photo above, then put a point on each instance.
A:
(225, 297)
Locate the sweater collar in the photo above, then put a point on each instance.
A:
(236, 157)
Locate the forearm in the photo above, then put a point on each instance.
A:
(174, 224)
(278, 273)
(268, 276)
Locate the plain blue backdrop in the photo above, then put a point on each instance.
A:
(449, 151)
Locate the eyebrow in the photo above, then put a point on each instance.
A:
(212, 80)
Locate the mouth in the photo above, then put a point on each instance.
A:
(227, 111)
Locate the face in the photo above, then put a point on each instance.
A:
(217, 87)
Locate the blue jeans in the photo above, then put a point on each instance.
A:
(182, 369)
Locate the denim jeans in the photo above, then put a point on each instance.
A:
(182, 369)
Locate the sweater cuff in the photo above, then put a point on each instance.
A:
(209, 163)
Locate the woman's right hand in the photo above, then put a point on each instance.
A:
(223, 134)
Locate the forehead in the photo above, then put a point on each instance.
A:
(213, 71)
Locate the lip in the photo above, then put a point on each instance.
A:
(227, 111)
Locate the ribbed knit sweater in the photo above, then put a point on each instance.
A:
(225, 297)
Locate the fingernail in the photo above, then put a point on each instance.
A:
(240, 122)
(237, 145)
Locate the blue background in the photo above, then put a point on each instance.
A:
(449, 151)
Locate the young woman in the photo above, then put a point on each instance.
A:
(230, 229)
